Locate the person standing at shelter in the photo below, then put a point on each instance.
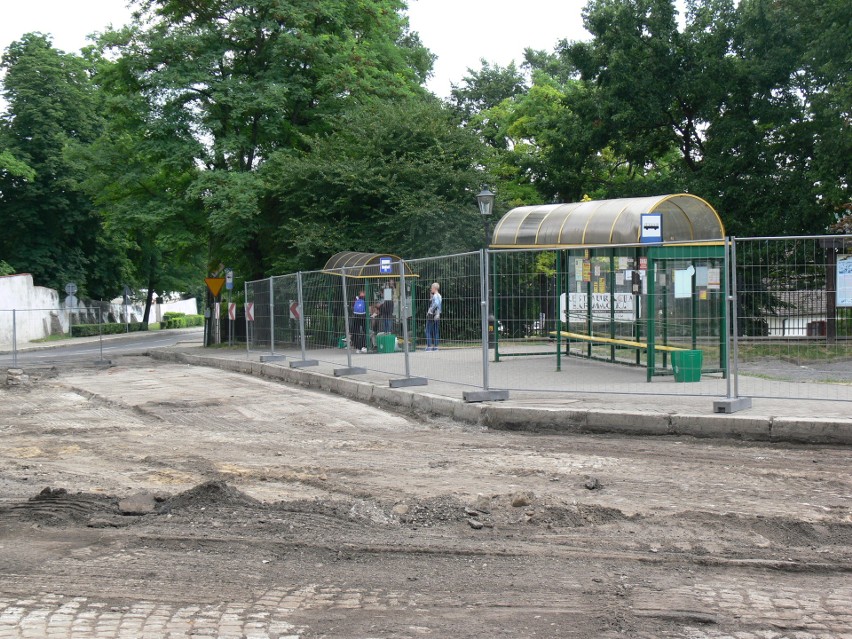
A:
(433, 317)
(359, 323)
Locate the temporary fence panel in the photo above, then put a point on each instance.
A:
(257, 294)
(638, 319)
(446, 346)
(285, 296)
(334, 332)
(794, 306)
(25, 332)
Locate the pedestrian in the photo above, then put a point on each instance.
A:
(433, 316)
(359, 323)
(386, 308)
(375, 310)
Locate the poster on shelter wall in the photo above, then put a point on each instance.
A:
(844, 281)
(578, 307)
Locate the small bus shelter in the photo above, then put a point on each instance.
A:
(632, 280)
(378, 275)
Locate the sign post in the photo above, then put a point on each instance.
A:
(70, 302)
(214, 285)
(229, 285)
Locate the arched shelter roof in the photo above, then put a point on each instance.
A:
(685, 218)
(365, 265)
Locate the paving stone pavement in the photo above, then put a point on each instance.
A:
(764, 612)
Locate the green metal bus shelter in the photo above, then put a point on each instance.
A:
(636, 275)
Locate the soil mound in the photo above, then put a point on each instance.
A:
(210, 494)
(58, 507)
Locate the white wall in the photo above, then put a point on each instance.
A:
(793, 326)
(189, 307)
(39, 311)
(36, 308)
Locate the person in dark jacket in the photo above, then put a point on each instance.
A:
(359, 323)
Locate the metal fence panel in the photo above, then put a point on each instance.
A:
(285, 298)
(23, 331)
(448, 348)
(634, 319)
(258, 295)
(794, 328)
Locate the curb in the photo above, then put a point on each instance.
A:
(528, 419)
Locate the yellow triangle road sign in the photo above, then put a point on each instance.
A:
(215, 284)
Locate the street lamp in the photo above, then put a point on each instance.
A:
(485, 198)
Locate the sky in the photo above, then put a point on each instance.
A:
(459, 32)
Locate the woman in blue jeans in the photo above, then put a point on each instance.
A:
(433, 317)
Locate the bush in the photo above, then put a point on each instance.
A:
(91, 330)
(181, 320)
(170, 315)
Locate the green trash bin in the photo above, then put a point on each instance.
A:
(687, 365)
(341, 342)
(386, 342)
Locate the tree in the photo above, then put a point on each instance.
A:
(10, 167)
(50, 229)
(392, 176)
(246, 78)
(747, 105)
(137, 177)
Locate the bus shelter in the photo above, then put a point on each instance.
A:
(631, 280)
(378, 275)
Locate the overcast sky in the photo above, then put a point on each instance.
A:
(459, 32)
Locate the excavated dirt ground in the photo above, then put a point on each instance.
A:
(158, 500)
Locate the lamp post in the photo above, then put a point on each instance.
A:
(485, 199)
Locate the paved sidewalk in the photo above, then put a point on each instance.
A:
(660, 408)
(29, 347)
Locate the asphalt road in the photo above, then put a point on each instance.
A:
(112, 346)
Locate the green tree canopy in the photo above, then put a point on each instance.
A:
(247, 78)
(394, 176)
(50, 228)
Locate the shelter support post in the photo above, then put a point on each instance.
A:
(651, 304)
(611, 285)
(559, 256)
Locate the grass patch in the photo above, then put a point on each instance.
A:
(50, 338)
(803, 352)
